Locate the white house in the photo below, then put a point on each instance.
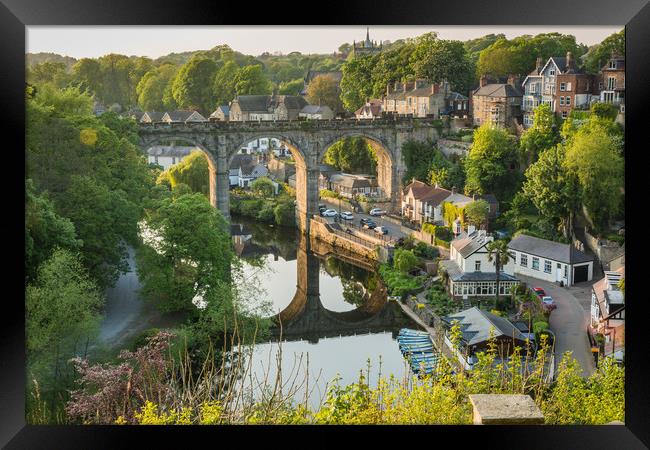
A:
(550, 261)
(244, 169)
(316, 112)
(470, 272)
(168, 155)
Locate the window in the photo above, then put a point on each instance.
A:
(563, 86)
(568, 101)
(523, 260)
(612, 64)
(551, 72)
(562, 101)
(611, 83)
(565, 114)
(547, 266)
(535, 263)
(477, 266)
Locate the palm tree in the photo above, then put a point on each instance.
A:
(498, 252)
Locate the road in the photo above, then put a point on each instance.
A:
(568, 321)
(394, 230)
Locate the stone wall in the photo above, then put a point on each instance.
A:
(449, 147)
(604, 250)
(324, 232)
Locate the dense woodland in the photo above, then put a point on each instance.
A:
(90, 194)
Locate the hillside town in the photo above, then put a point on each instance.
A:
(470, 208)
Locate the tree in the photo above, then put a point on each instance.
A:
(593, 157)
(65, 101)
(263, 186)
(543, 135)
(598, 54)
(552, 189)
(490, 166)
(440, 60)
(151, 88)
(45, 230)
(498, 252)
(405, 260)
(285, 214)
(356, 83)
(293, 87)
(192, 171)
(251, 80)
(224, 83)
(323, 90)
(87, 74)
(445, 173)
(475, 46)
(193, 85)
(477, 212)
(49, 72)
(417, 158)
(187, 252)
(353, 155)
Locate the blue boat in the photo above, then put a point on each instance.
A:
(408, 332)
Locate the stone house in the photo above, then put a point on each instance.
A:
(151, 117)
(316, 112)
(497, 103)
(457, 105)
(550, 261)
(418, 98)
(350, 186)
(611, 81)
(266, 107)
(470, 273)
(182, 116)
(244, 169)
(372, 109)
(221, 114)
(423, 203)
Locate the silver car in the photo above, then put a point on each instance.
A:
(347, 215)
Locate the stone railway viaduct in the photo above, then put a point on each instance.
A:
(308, 142)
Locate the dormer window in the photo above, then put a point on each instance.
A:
(612, 64)
(551, 72)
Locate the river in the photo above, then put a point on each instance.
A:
(335, 313)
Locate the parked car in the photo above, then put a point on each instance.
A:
(368, 223)
(330, 213)
(381, 230)
(347, 215)
(377, 212)
(548, 301)
(540, 292)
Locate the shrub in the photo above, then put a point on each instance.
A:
(405, 260)
(423, 250)
(285, 214)
(251, 207)
(267, 213)
(539, 326)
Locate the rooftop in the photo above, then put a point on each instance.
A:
(544, 248)
(475, 325)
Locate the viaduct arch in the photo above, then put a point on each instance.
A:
(307, 140)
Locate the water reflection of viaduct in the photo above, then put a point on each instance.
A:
(308, 142)
(306, 317)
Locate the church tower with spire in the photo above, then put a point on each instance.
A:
(366, 47)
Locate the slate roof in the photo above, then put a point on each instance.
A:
(224, 109)
(425, 193)
(253, 102)
(475, 324)
(544, 248)
(268, 103)
(456, 96)
(152, 116)
(315, 109)
(468, 244)
(352, 181)
(498, 90)
(457, 275)
(372, 107)
(241, 160)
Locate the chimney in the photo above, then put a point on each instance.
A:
(483, 80)
(453, 190)
(512, 80)
(569, 61)
(538, 64)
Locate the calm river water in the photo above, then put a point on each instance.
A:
(335, 315)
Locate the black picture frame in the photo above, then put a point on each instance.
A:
(15, 15)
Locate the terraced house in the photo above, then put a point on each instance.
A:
(497, 103)
(266, 107)
(418, 98)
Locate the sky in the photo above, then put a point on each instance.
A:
(156, 41)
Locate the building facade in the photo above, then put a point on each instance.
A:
(266, 107)
(371, 110)
(168, 155)
(608, 312)
(611, 81)
(498, 104)
(423, 203)
(418, 98)
(550, 261)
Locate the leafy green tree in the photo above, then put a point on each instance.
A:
(49, 72)
(442, 60)
(87, 74)
(543, 135)
(475, 46)
(552, 188)
(405, 260)
(417, 158)
(192, 171)
(445, 173)
(285, 213)
(353, 154)
(251, 80)
(598, 54)
(263, 186)
(65, 101)
(293, 87)
(477, 212)
(45, 230)
(498, 252)
(518, 55)
(593, 157)
(193, 86)
(187, 252)
(356, 84)
(323, 90)
(491, 163)
(151, 88)
(224, 83)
